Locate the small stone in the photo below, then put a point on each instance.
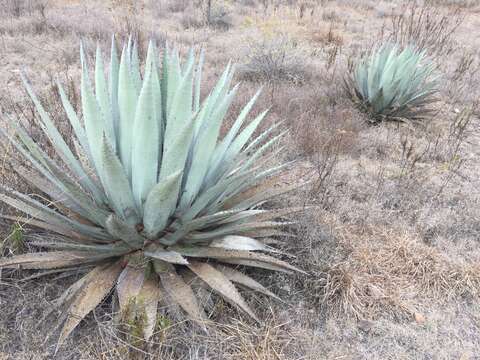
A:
(420, 318)
(365, 325)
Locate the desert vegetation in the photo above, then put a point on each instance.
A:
(157, 237)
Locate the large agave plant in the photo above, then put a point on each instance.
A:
(150, 196)
(393, 84)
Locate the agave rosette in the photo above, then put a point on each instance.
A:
(393, 84)
(151, 194)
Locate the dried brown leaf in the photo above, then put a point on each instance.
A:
(221, 284)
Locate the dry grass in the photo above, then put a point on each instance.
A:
(392, 245)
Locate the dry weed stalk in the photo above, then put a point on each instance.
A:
(426, 27)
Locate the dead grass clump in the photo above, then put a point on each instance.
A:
(18, 8)
(191, 21)
(127, 16)
(275, 60)
(331, 16)
(329, 37)
(342, 292)
(177, 6)
(217, 14)
(431, 271)
(14, 242)
(216, 17)
(455, 3)
(237, 340)
(318, 123)
(384, 272)
(25, 25)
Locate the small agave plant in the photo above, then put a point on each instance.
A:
(151, 195)
(393, 84)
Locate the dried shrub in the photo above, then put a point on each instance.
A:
(192, 21)
(218, 17)
(127, 15)
(330, 37)
(275, 60)
(425, 27)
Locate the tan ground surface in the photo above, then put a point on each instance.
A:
(393, 250)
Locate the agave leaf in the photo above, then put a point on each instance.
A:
(43, 225)
(265, 233)
(224, 255)
(198, 81)
(165, 88)
(93, 291)
(77, 126)
(256, 155)
(204, 221)
(145, 149)
(220, 283)
(149, 296)
(203, 149)
(113, 81)
(244, 280)
(72, 193)
(94, 122)
(179, 109)
(217, 94)
(257, 264)
(265, 195)
(44, 185)
(182, 226)
(231, 229)
(242, 182)
(44, 213)
(117, 185)
(59, 143)
(206, 198)
(127, 101)
(128, 286)
(264, 135)
(212, 199)
(49, 260)
(260, 215)
(135, 67)
(45, 165)
(175, 153)
(152, 68)
(66, 298)
(240, 141)
(103, 99)
(159, 253)
(64, 244)
(235, 242)
(68, 194)
(220, 151)
(160, 204)
(70, 293)
(279, 213)
(127, 233)
(178, 290)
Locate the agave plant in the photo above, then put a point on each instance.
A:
(393, 84)
(150, 194)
